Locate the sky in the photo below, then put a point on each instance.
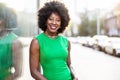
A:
(94, 4)
(21, 5)
(74, 6)
(78, 5)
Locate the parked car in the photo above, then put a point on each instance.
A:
(100, 42)
(83, 40)
(90, 42)
(73, 39)
(113, 47)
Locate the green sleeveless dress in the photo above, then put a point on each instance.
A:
(6, 61)
(53, 57)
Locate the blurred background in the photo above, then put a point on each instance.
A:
(94, 31)
(88, 17)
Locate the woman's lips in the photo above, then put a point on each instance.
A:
(53, 27)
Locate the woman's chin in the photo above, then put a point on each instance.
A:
(53, 31)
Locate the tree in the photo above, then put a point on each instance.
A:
(84, 24)
(88, 26)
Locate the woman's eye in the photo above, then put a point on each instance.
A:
(50, 19)
(58, 20)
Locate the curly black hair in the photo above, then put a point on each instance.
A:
(8, 15)
(53, 7)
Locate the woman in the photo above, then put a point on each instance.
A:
(50, 49)
(10, 46)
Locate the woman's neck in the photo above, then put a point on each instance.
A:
(51, 35)
(2, 34)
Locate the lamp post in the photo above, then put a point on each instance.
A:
(38, 5)
(98, 22)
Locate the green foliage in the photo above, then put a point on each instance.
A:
(88, 26)
(84, 25)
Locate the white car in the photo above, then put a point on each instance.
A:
(100, 42)
(113, 47)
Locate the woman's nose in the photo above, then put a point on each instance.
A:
(54, 22)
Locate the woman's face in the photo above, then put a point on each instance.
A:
(53, 23)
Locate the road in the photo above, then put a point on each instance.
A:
(88, 64)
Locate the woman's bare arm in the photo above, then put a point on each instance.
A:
(17, 52)
(34, 60)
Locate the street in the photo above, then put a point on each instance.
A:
(88, 64)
